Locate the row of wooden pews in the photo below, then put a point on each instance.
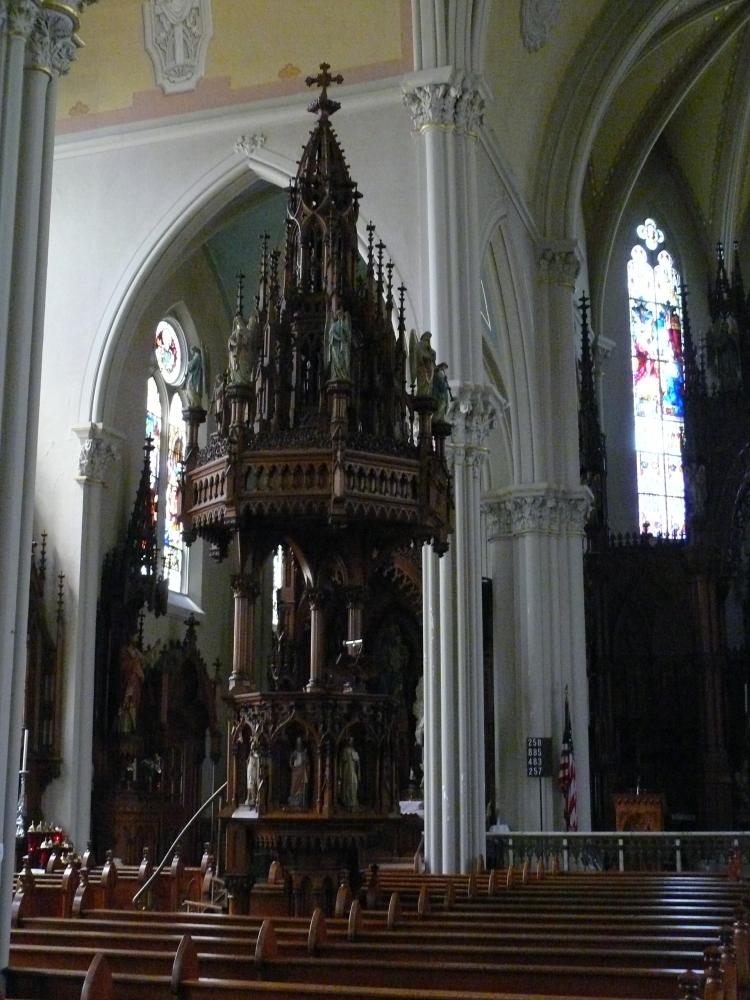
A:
(412, 935)
(82, 885)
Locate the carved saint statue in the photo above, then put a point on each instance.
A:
(349, 775)
(299, 762)
(441, 391)
(241, 361)
(194, 378)
(131, 680)
(253, 778)
(422, 362)
(338, 346)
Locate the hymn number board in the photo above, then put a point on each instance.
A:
(539, 757)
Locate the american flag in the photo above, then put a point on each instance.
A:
(567, 775)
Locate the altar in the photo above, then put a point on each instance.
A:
(639, 811)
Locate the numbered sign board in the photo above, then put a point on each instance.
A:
(539, 757)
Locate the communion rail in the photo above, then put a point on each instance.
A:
(599, 851)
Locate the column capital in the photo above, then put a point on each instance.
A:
(62, 41)
(560, 261)
(21, 16)
(51, 45)
(537, 508)
(471, 414)
(354, 595)
(244, 586)
(98, 450)
(445, 100)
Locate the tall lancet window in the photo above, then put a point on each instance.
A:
(658, 382)
(164, 424)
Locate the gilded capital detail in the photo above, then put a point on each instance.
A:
(455, 107)
(62, 45)
(541, 510)
(21, 16)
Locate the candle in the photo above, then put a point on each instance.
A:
(25, 749)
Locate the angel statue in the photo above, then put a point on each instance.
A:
(422, 362)
(338, 346)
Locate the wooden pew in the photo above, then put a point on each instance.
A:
(183, 977)
(586, 972)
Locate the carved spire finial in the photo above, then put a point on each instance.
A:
(240, 306)
(322, 103)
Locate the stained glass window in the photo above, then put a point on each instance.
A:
(169, 349)
(173, 544)
(658, 383)
(164, 424)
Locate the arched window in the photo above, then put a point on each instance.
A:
(656, 351)
(164, 424)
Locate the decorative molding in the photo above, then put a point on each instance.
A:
(250, 144)
(560, 262)
(22, 15)
(539, 509)
(177, 33)
(95, 455)
(538, 18)
(454, 106)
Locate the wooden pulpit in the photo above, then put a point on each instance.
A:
(639, 812)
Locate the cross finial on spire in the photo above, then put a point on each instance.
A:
(323, 80)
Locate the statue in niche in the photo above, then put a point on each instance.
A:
(194, 377)
(441, 392)
(349, 776)
(241, 361)
(338, 345)
(422, 362)
(131, 681)
(299, 762)
(726, 355)
(253, 778)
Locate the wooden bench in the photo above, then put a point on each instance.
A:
(456, 948)
(479, 966)
(183, 976)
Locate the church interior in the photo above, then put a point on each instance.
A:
(375, 409)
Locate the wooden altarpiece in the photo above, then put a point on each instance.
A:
(668, 619)
(153, 706)
(44, 688)
(323, 450)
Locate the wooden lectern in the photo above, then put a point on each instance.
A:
(642, 812)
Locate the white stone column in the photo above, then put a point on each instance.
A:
(536, 537)
(27, 129)
(446, 112)
(432, 735)
(17, 19)
(98, 450)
